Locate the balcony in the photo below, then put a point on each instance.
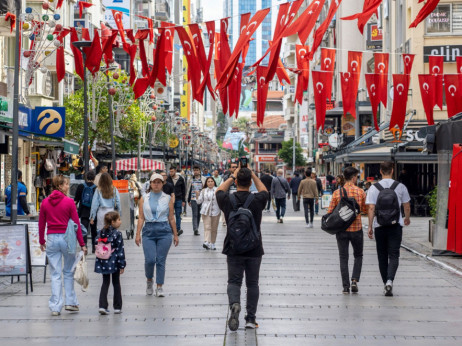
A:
(289, 113)
(162, 10)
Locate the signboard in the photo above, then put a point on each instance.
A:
(37, 256)
(6, 110)
(450, 53)
(49, 121)
(325, 200)
(14, 250)
(118, 5)
(265, 158)
(348, 125)
(374, 36)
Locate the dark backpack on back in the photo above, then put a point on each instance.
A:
(342, 216)
(387, 208)
(87, 195)
(242, 230)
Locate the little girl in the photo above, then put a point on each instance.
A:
(114, 265)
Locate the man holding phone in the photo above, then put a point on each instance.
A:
(195, 187)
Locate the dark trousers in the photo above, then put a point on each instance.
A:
(237, 266)
(178, 206)
(308, 203)
(196, 215)
(388, 242)
(90, 229)
(316, 206)
(295, 202)
(343, 242)
(280, 207)
(117, 291)
(268, 205)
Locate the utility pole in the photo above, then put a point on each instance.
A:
(293, 149)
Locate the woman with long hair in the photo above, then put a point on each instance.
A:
(210, 213)
(57, 213)
(105, 199)
(157, 220)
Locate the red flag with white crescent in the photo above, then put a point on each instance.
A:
(262, 94)
(305, 23)
(207, 79)
(459, 64)
(320, 81)
(348, 82)
(150, 26)
(372, 90)
(120, 26)
(202, 58)
(108, 45)
(381, 69)
(355, 60)
(424, 12)
(427, 84)
(435, 66)
(93, 61)
(303, 65)
(142, 35)
(169, 35)
(234, 90)
(328, 64)
(78, 59)
(400, 91)
(369, 8)
(453, 94)
(408, 60)
(319, 34)
(60, 61)
(82, 5)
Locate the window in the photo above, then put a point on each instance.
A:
(445, 19)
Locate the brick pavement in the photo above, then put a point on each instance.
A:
(300, 303)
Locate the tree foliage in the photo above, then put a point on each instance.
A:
(286, 154)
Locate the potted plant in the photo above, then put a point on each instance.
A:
(432, 199)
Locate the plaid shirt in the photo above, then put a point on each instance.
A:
(360, 196)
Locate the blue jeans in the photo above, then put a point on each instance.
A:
(56, 251)
(280, 207)
(178, 209)
(157, 239)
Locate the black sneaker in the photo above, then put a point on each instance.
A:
(354, 287)
(346, 290)
(251, 324)
(233, 322)
(388, 291)
(196, 233)
(180, 232)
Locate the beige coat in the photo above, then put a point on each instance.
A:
(308, 189)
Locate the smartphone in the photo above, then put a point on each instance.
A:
(243, 161)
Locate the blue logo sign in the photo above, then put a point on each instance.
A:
(49, 121)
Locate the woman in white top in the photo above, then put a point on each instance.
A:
(210, 213)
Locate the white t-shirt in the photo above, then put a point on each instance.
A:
(401, 192)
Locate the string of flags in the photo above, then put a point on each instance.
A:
(229, 64)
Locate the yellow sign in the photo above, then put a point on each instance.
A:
(185, 97)
(173, 142)
(52, 118)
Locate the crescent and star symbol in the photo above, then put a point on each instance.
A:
(327, 64)
(426, 87)
(437, 68)
(354, 64)
(453, 87)
(398, 88)
(188, 51)
(381, 70)
(319, 84)
(372, 88)
(250, 25)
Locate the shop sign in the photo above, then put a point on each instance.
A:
(266, 159)
(334, 140)
(374, 36)
(408, 136)
(49, 121)
(450, 53)
(6, 110)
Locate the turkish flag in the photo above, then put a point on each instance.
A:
(108, 45)
(151, 27)
(224, 49)
(319, 34)
(369, 8)
(60, 62)
(400, 91)
(327, 59)
(120, 26)
(372, 90)
(355, 60)
(424, 12)
(381, 69)
(262, 94)
(142, 35)
(85, 35)
(303, 66)
(320, 81)
(169, 36)
(222, 92)
(132, 54)
(408, 60)
(245, 36)
(78, 59)
(234, 90)
(305, 23)
(459, 64)
(94, 54)
(348, 82)
(202, 58)
(453, 94)
(140, 86)
(82, 5)
(427, 92)
(207, 79)
(435, 66)
(282, 73)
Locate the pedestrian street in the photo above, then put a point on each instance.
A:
(301, 300)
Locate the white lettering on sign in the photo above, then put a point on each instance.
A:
(412, 136)
(449, 53)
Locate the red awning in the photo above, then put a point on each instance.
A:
(132, 164)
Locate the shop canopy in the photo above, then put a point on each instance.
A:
(132, 164)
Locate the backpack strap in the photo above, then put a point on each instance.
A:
(379, 187)
(394, 185)
(248, 201)
(233, 201)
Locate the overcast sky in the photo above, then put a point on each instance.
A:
(213, 10)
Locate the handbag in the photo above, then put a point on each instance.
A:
(81, 273)
(71, 237)
(49, 163)
(342, 216)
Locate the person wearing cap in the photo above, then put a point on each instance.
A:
(157, 220)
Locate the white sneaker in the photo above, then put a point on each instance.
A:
(160, 292)
(149, 289)
(212, 247)
(310, 225)
(206, 245)
(307, 225)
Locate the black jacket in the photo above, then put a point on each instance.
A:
(179, 188)
(267, 180)
(319, 185)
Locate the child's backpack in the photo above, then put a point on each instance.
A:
(87, 195)
(103, 250)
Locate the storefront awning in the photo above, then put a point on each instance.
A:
(415, 157)
(132, 164)
(371, 155)
(71, 148)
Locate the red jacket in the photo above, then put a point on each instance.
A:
(55, 212)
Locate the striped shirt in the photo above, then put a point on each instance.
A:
(360, 196)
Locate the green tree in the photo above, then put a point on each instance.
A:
(286, 154)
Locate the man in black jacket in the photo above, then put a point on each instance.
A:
(267, 180)
(320, 190)
(84, 210)
(179, 188)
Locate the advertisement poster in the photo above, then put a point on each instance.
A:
(13, 250)
(118, 5)
(233, 139)
(38, 258)
(325, 200)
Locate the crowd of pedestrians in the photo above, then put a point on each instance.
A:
(237, 196)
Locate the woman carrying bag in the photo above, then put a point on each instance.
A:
(105, 199)
(55, 214)
(210, 213)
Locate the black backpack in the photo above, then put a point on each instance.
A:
(387, 209)
(242, 229)
(87, 195)
(342, 216)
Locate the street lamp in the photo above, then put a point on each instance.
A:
(80, 45)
